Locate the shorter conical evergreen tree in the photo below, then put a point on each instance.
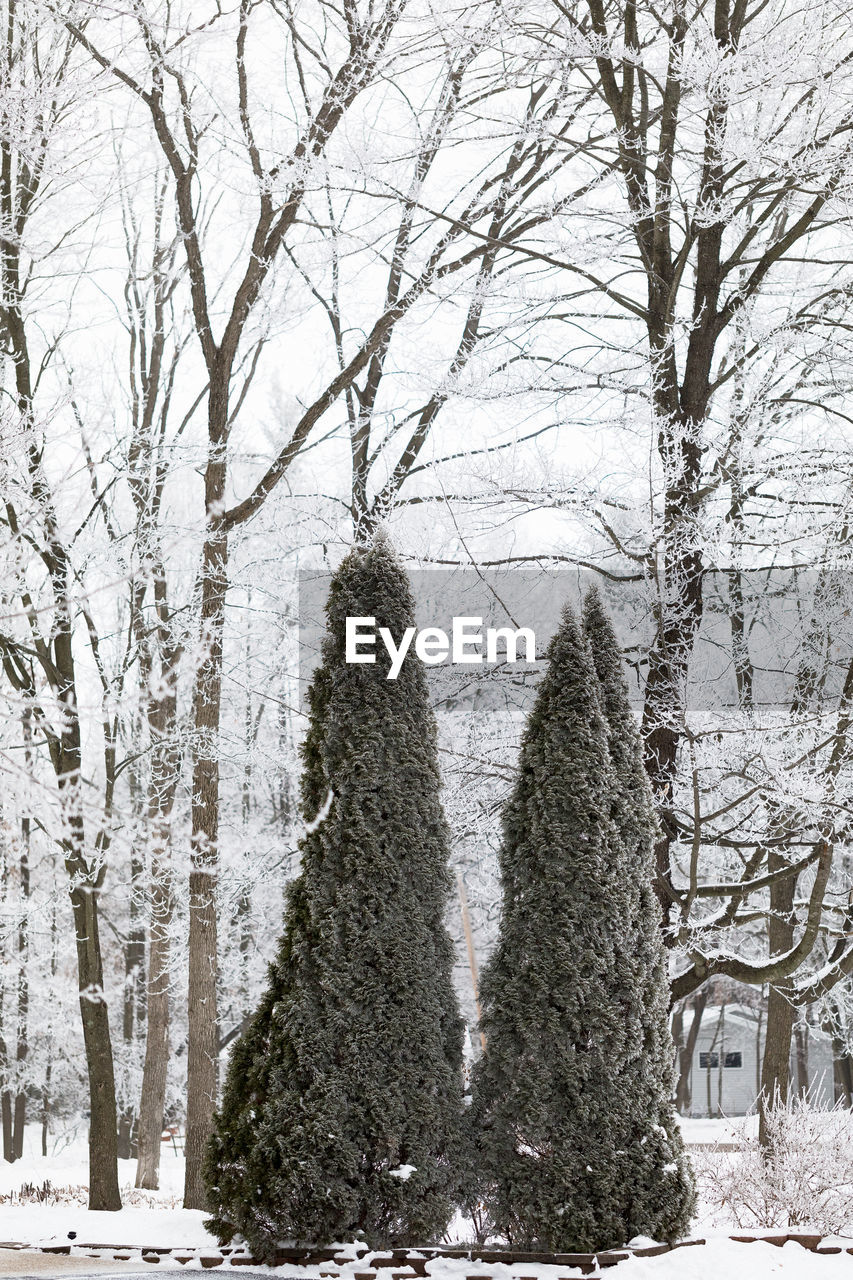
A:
(657, 1177)
(559, 1132)
(239, 1172)
(342, 1115)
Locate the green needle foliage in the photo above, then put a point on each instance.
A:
(239, 1169)
(572, 1099)
(343, 1113)
(657, 1171)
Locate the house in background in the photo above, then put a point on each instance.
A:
(725, 1074)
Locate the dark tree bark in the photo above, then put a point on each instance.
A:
(103, 1150)
(133, 992)
(686, 1050)
(22, 1047)
(203, 1039)
(781, 1013)
(162, 713)
(165, 768)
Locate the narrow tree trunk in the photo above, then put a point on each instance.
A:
(282, 799)
(45, 1106)
(6, 1110)
(163, 784)
(801, 1042)
(20, 1113)
(243, 912)
(48, 1070)
(203, 1029)
(842, 1070)
(153, 1100)
(132, 1002)
(5, 1094)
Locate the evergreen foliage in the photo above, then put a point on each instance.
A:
(342, 1114)
(572, 1110)
(661, 1203)
(239, 1171)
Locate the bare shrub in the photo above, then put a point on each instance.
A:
(803, 1179)
(46, 1193)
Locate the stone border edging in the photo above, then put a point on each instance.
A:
(410, 1264)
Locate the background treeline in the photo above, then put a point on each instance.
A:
(549, 283)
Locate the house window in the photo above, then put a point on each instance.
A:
(709, 1060)
(733, 1059)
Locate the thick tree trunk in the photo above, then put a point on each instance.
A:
(203, 1029)
(678, 617)
(103, 1153)
(775, 1068)
(686, 1050)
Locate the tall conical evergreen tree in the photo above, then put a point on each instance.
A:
(342, 1114)
(657, 1173)
(560, 1145)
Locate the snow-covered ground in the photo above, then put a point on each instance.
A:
(705, 1132)
(711, 1261)
(152, 1218)
(156, 1220)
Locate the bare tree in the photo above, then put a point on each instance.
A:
(39, 658)
(342, 64)
(714, 227)
(710, 302)
(161, 648)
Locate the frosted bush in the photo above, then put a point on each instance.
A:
(804, 1179)
(47, 1193)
